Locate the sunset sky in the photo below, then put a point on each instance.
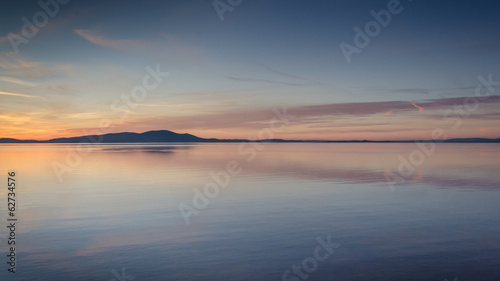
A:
(226, 76)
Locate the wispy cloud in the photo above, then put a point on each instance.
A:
(166, 47)
(412, 91)
(288, 74)
(120, 44)
(18, 66)
(398, 91)
(17, 81)
(17, 69)
(62, 89)
(369, 108)
(17, 95)
(420, 109)
(303, 81)
(263, 81)
(81, 114)
(168, 105)
(310, 114)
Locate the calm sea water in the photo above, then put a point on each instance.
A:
(115, 214)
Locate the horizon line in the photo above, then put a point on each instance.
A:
(248, 140)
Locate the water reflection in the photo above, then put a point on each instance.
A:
(119, 208)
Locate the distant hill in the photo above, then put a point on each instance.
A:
(150, 136)
(125, 137)
(474, 140)
(8, 140)
(169, 136)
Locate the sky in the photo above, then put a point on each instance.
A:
(341, 70)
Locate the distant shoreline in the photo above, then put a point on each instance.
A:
(165, 136)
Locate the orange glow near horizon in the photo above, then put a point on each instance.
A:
(291, 134)
(387, 125)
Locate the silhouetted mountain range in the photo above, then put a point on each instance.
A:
(168, 136)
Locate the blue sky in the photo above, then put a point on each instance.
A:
(225, 77)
